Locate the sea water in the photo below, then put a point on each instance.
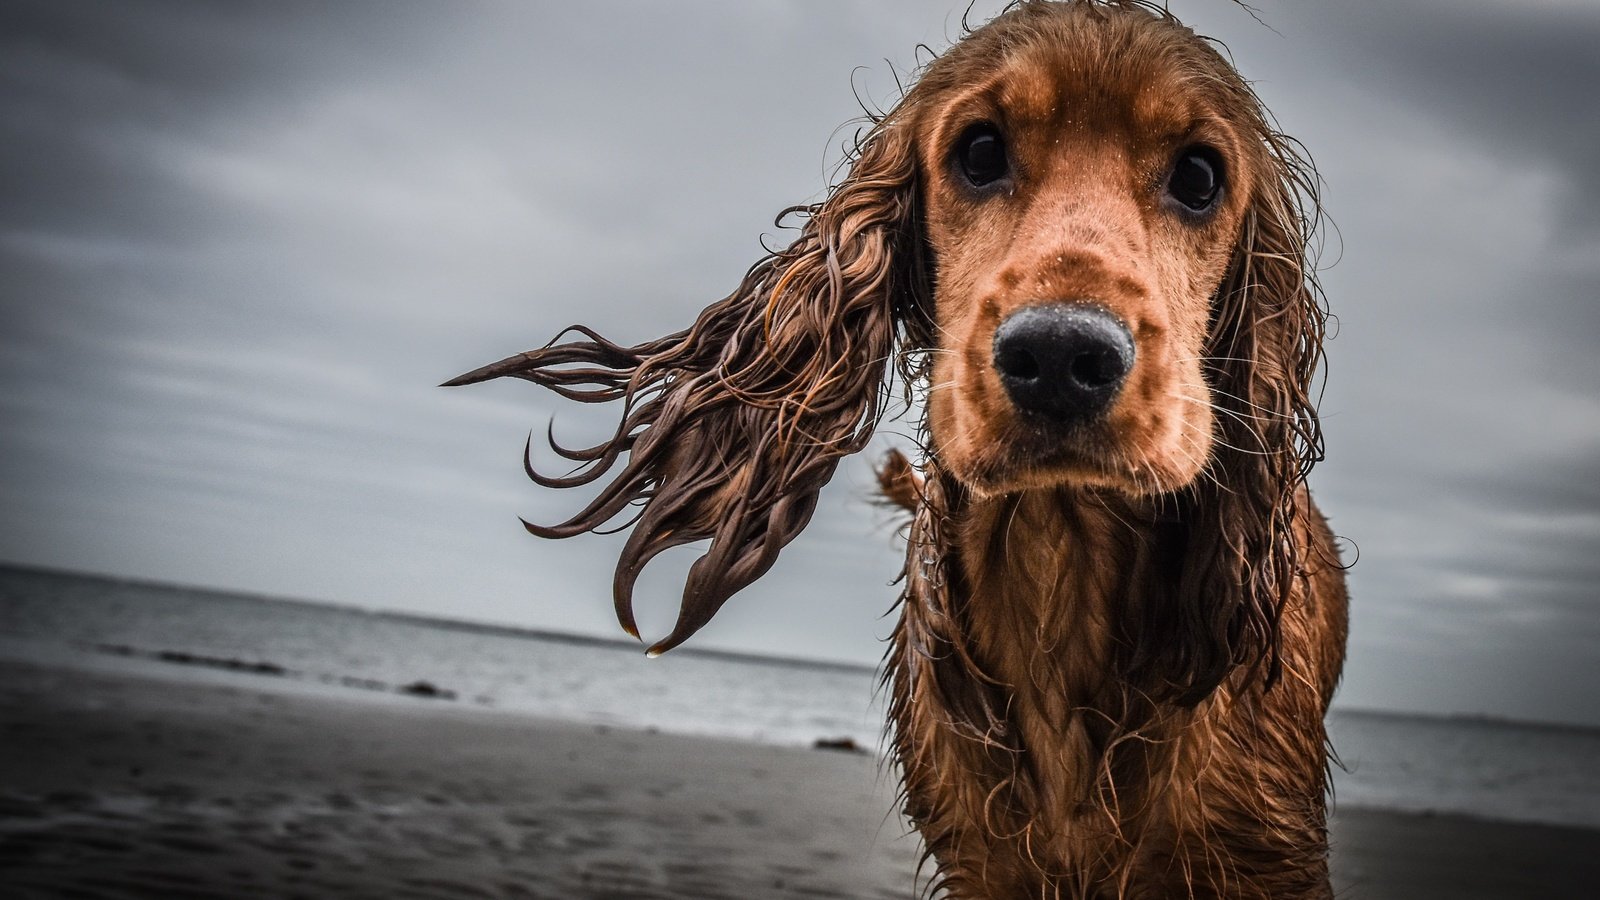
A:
(1489, 769)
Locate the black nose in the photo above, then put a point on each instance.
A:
(1064, 362)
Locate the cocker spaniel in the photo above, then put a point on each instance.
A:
(1081, 238)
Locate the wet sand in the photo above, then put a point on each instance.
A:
(133, 783)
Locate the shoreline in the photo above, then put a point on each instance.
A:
(123, 783)
(427, 620)
(611, 642)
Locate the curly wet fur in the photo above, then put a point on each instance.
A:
(1106, 681)
(732, 427)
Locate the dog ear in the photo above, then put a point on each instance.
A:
(731, 428)
(1238, 550)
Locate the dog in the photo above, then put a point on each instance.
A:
(1079, 236)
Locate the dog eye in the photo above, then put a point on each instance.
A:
(981, 154)
(1196, 178)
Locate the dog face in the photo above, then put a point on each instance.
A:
(1083, 193)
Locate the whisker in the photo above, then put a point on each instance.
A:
(1231, 412)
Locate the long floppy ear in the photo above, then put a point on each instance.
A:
(731, 428)
(1239, 550)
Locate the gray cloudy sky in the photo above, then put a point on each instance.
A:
(240, 243)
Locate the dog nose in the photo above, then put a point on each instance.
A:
(1064, 362)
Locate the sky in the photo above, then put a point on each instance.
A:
(241, 244)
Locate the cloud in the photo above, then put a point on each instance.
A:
(1509, 76)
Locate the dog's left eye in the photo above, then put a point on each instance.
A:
(981, 155)
(1196, 178)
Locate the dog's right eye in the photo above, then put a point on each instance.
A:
(980, 153)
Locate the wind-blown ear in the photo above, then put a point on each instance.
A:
(730, 429)
(1264, 352)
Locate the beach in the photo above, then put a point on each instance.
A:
(156, 783)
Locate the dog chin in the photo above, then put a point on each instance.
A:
(1005, 470)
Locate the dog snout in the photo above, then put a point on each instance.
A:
(1063, 362)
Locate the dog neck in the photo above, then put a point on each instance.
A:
(1030, 726)
(1020, 610)
(1054, 580)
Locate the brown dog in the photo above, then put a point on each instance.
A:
(1123, 616)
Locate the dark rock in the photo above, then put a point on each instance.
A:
(840, 744)
(427, 689)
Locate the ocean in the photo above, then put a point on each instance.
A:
(1490, 769)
